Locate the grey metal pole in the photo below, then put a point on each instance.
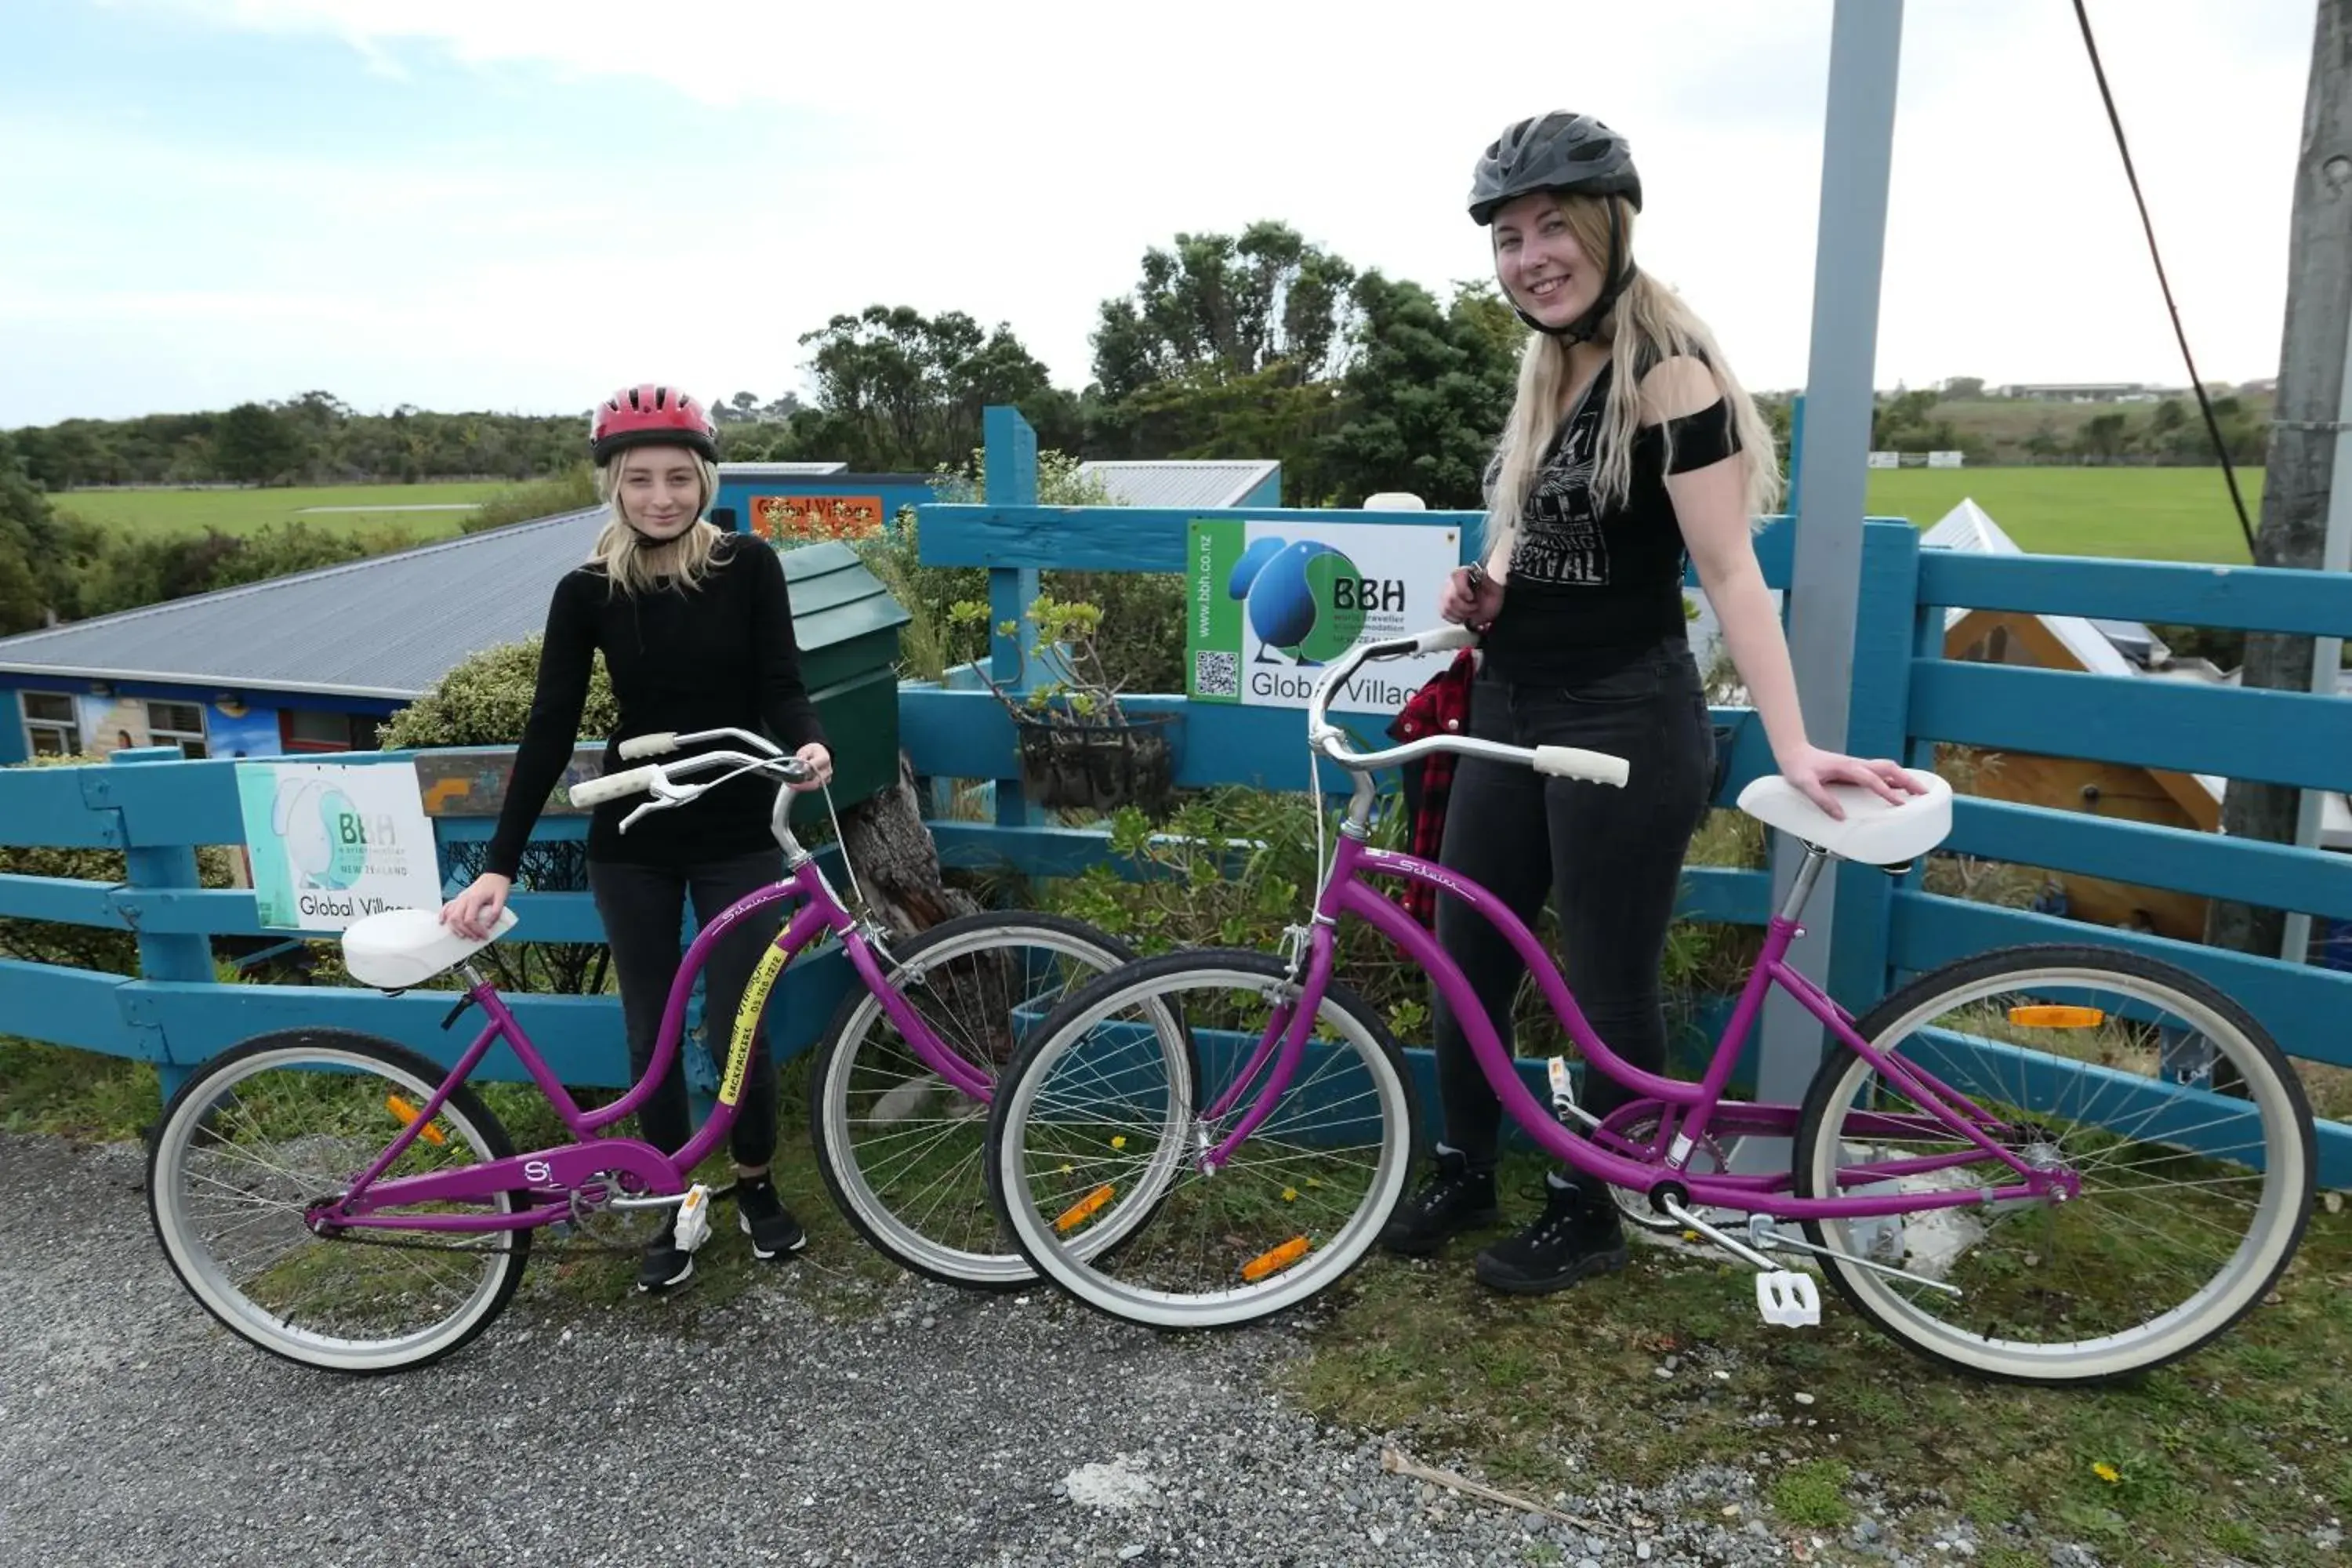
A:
(2327, 653)
(1857, 159)
(2304, 479)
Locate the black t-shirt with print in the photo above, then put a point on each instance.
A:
(1589, 587)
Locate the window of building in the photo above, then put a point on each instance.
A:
(311, 729)
(52, 729)
(180, 724)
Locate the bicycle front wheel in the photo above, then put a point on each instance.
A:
(1097, 1162)
(289, 1119)
(898, 1145)
(2185, 1135)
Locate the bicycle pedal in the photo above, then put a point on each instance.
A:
(693, 1226)
(1788, 1297)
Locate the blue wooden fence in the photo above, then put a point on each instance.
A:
(1905, 698)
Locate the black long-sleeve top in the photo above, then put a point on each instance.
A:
(721, 656)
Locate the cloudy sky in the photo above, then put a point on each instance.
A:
(517, 203)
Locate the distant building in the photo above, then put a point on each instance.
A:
(2078, 391)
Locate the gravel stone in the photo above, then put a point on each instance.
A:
(774, 1428)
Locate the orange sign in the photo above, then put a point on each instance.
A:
(804, 519)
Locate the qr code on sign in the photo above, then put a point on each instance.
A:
(1217, 674)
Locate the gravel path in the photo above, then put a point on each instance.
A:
(950, 1429)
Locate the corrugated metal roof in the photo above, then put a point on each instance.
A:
(388, 625)
(764, 470)
(1181, 482)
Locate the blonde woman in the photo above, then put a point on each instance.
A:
(1631, 448)
(697, 633)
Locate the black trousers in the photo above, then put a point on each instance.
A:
(643, 908)
(1611, 858)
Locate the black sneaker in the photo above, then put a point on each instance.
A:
(664, 1265)
(764, 1218)
(1575, 1237)
(1453, 1199)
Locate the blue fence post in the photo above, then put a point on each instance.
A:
(1011, 479)
(187, 958)
(1886, 637)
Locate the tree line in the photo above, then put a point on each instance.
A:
(1259, 344)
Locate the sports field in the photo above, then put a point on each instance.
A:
(2149, 514)
(2157, 514)
(240, 511)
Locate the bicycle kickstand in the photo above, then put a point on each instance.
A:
(1786, 1297)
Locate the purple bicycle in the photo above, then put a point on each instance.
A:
(342, 1201)
(2049, 1164)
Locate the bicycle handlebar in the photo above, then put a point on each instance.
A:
(670, 741)
(1559, 761)
(657, 780)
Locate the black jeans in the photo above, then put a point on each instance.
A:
(643, 908)
(1612, 858)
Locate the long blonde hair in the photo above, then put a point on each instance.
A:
(631, 566)
(1647, 325)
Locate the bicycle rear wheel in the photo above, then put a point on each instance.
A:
(2189, 1134)
(1095, 1162)
(285, 1121)
(899, 1147)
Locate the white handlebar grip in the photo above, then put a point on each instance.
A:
(1574, 762)
(649, 745)
(1445, 637)
(612, 787)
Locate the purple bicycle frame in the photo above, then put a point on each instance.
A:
(547, 1176)
(1685, 1111)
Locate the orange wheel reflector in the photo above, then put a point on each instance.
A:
(406, 1113)
(1275, 1261)
(2055, 1017)
(1079, 1212)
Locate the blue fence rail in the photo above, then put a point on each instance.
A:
(178, 1012)
(1906, 698)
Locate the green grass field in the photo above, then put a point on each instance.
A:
(2149, 514)
(2156, 514)
(242, 511)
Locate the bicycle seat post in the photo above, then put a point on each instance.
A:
(1802, 890)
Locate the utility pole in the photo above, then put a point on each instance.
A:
(2310, 446)
(1829, 450)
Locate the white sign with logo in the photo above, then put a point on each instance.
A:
(332, 842)
(1270, 605)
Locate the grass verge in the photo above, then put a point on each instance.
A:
(2243, 1450)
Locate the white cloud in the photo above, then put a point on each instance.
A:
(1014, 163)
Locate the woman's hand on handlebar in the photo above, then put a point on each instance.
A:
(820, 765)
(1470, 597)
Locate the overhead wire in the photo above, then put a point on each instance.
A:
(2196, 383)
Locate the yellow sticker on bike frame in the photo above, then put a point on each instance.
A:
(747, 1018)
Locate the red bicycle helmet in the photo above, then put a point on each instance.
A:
(650, 414)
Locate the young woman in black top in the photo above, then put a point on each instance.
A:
(696, 628)
(1630, 446)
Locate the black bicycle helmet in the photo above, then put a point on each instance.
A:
(1562, 152)
(1554, 151)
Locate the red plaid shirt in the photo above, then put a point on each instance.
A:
(1440, 707)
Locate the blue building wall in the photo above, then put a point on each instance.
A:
(235, 724)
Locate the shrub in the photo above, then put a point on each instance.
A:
(574, 489)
